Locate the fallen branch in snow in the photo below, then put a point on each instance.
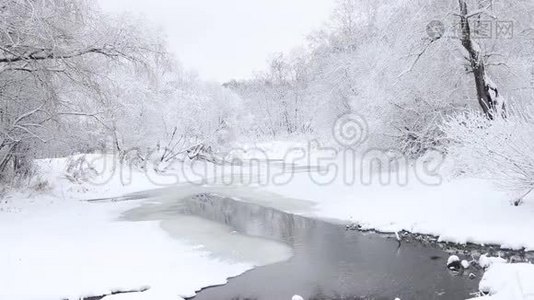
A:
(520, 200)
(141, 290)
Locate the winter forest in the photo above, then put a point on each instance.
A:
(81, 86)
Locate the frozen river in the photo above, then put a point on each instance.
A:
(299, 255)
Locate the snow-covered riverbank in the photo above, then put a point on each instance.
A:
(56, 246)
(55, 249)
(504, 281)
(459, 211)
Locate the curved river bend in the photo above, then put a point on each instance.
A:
(328, 261)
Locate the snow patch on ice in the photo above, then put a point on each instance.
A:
(55, 246)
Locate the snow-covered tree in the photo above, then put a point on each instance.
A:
(49, 48)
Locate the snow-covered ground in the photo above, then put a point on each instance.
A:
(55, 246)
(65, 249)
(460, 211)
(503, 281)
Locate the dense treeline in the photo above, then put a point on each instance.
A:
(415, 70)
(456, 76)
(73, 79)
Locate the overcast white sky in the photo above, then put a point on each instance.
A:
(225, 39)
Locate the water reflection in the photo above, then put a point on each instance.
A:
(329, 262)
(250, 219)
(213, 235)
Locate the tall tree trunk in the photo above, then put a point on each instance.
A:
(488, 96)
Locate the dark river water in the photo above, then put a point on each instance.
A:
(329, 262)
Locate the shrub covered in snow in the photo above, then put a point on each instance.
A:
(419, 126)
(499, 149)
